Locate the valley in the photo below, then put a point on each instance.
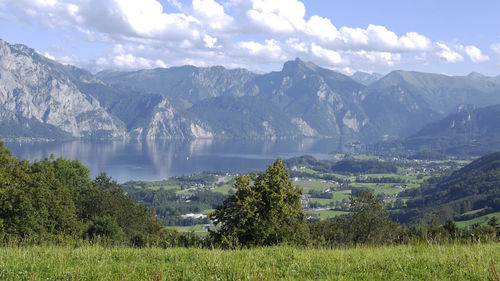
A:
(326, 193)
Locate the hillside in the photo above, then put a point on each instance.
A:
(469, 192)
(470, 131)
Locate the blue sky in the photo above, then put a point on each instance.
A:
(450, 37)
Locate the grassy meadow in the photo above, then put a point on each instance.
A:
(414, 262)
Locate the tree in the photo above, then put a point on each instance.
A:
(265, 210)
(369, 221)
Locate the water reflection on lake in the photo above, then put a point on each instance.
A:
(158, 159)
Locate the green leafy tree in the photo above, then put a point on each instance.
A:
(105, 227)
(53, 198)
(265, 210)
(369, 221)
(34, 202)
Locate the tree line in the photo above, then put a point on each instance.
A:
(53, 200)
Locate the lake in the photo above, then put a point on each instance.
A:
(126, 160)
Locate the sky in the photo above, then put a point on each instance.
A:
(453, 37)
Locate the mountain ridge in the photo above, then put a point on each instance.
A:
(471, 130)
(300, 100)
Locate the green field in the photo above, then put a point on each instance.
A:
(165, 187)
(326, 214)
(418, 262)
(313, 185)
(199, 229)
(479, 220)
(224, 189)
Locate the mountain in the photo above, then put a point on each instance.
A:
(479, 76)
(366, 78)
(402, 102)
(301, 100)
(40, 100)
(469, 192)
(469, 131)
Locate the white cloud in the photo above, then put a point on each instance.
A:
(147, 33)
(379, 38)
(47, 2)
(209, 41)
(127, 61)
(446, 54)
(269, 50)
(355, 36)
(379, 58)
(495, 47)
(287, 18)
(146, 18)
(212, 14)
(47, 55)
(321, 28)
(413, 41)
(296, 45)
(176, 4)
(332, 57)
(277, 16)
(475, 54)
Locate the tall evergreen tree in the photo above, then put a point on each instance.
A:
(265, 210)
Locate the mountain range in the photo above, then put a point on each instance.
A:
(469, 131)
(41, 98)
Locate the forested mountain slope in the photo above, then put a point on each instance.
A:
(471, 191)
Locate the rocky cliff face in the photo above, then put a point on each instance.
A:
(302, 100)
(164, 122)
(30, 89)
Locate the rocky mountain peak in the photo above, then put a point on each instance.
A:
(298, 65)
(35, 88)
(366, 78)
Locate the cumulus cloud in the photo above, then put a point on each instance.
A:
(446, 54)
(495, 47)
(379, 58)
(244, 33)
(475, 54)
(278, 16)
(269, 50)
(287, 17)
(209, 41)
(331, 56)
(212, 13)
(321, 28)
(297, 46)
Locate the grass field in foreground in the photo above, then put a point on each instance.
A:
(418, 262)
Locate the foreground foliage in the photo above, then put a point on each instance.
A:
(417, 262)
(264, 211)
(55, 199)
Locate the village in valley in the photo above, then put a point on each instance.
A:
(325, 195)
